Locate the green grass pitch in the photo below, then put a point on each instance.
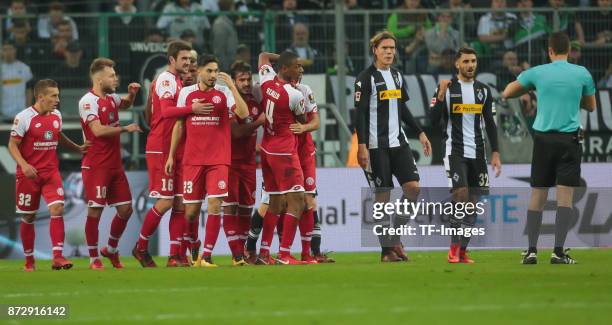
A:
(356, 290)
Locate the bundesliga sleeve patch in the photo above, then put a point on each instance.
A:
(357, 96)
(434, 100)
(167, 95)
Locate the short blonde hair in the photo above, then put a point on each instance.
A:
(194, 56)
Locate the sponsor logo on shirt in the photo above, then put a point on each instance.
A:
(467, 108)
(390, 94)
(37, 125)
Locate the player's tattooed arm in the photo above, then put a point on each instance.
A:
(177, 134)
(128, 100)
(312, 125)
(246, 129)
(28, 170)
(66, 142)
(266, 58)
(100, 130)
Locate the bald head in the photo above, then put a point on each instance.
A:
(300, 34)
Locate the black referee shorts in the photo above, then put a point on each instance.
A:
(467, 172)
(556, 159)
(388, 162)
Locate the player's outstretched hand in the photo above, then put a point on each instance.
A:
(29, 171)
(201, 108)
(496, 163)
(168, 169)
(297, 128)
(133, 88)
(444, 84)
(425, 143)
(363, 156)
(227, 79)
(132, 128)
(84, 147)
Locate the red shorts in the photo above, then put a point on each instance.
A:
(242, 186)
(198, 181)
(282, 173)
(308, 161)
(106, 187)
(28, 191)
(162, 186)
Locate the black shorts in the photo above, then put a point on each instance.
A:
(467, 172)
(556, 159)
(388, 162)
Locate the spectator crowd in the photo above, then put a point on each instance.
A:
(42, 39)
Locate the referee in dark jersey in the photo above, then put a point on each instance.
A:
(461, 107)
(381, 100)
(562, 89)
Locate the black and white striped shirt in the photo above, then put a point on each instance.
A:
(381, 102)
(466, 107)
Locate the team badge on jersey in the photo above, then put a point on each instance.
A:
(216, 99)
(396, 78)
(254, 110)
(48, 135)
(479, 94)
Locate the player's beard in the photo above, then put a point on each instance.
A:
(467, 74)
(109, 89)
(210, 84)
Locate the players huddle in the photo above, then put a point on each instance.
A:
(202, 144)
